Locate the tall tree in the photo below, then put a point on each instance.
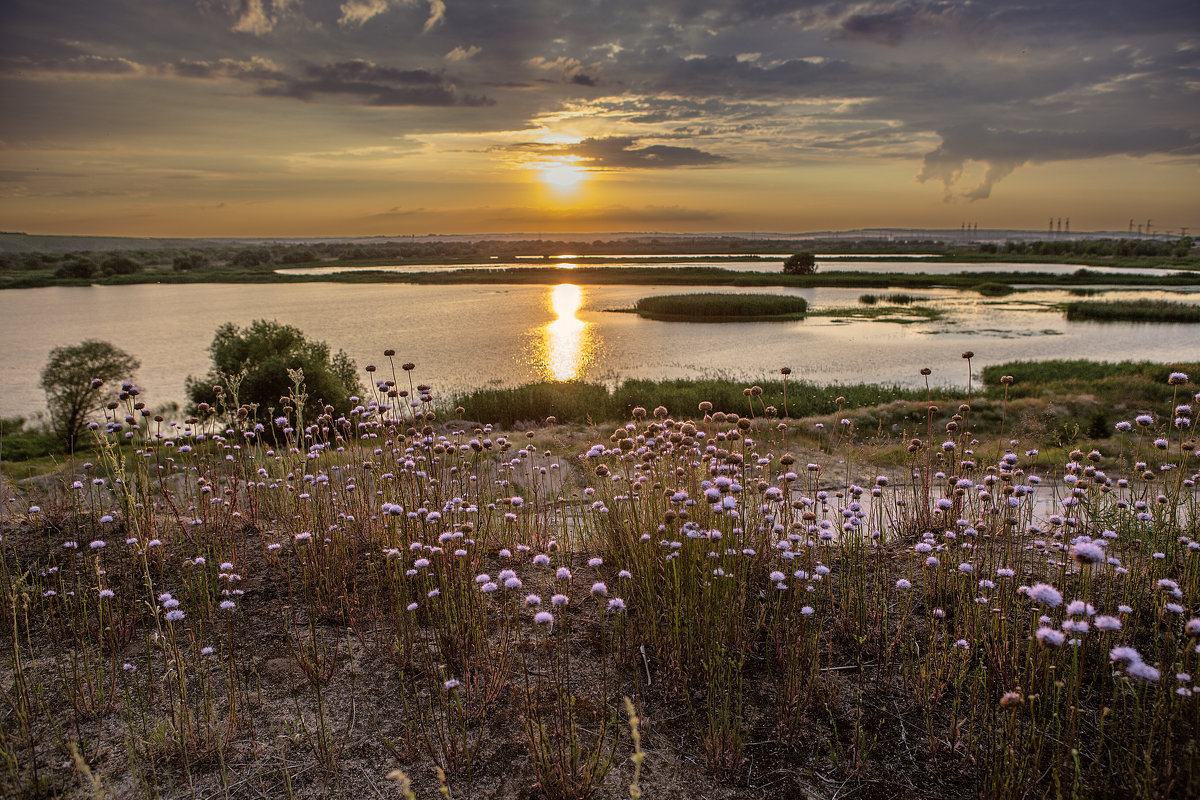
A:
(72, 379)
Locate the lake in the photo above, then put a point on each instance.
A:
(825, 263)
(464, 337)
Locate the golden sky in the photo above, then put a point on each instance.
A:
(397, 117)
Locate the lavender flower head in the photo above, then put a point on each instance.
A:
(1045, 594)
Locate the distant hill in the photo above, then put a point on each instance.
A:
(25, 243)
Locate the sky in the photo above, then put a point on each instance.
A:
(410, 117)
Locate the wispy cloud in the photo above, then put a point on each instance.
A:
(461, 53)
(68, 65)
(356, 13)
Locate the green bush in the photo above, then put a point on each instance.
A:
(990, 289)
(255, 362)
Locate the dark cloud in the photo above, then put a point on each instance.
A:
(374, 84)
(623, 152)
(890, 23)
(1003, 151)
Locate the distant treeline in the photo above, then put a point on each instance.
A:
(1095, 248)
(210, 262)
(93, 264)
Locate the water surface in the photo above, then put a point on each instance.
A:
(464, 336)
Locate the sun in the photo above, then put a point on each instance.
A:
(563, 174)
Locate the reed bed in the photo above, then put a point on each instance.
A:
(697, 601)
(1132, 311)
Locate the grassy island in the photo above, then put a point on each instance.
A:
(713, 307)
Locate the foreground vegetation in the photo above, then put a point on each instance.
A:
(375, 602)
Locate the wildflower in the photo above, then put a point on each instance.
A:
(559, 600)
(206, 651)
(1012, 700)
(434, 593)
(541, 560)
(1078, 608)
(412, 606)
(543, 618)
(174, 615)
(482, 577)
(1176, 378)
(1049, 637)
(599, 589)
(1087, 553)
(1125, 655)
(1045, 594)
(807, 611)
(1143, 420)
(488, 587)
(962, 644)
(1142, 671)
(595, 562)
(616, 604)
(1107, 623)
(228, 605)
(452, 684)
(563, 574)
(903, 583)
(965, 567)
(533, 600)
(624, 574)
(106, 593)
(1192, 628)
(97, 544)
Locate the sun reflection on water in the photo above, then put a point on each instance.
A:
(566, 339)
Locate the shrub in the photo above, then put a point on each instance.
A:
(990, 289)
(251, 366)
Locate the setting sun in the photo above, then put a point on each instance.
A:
(563, 174)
